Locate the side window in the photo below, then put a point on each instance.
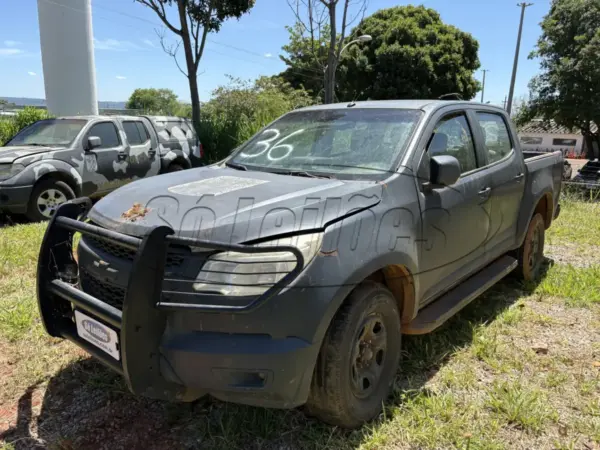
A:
(132, 132)
(143, 131)
(496, 136)
(107, 132)
(452, 136)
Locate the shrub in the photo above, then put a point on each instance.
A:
(239, 110)
(12, 125)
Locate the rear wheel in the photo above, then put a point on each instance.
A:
(358, 360)
(46, 197)
(531, 253)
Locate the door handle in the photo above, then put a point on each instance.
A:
(485, 192)
(121, 156)
(519, 176)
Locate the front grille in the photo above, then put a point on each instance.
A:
(105, 292)
(175, 255)
(112, 249)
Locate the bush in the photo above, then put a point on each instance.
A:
(12, 125)
(239, 110)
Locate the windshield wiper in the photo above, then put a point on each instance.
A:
(236, 166)
(303, 173)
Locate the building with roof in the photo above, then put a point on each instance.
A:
(543, 136)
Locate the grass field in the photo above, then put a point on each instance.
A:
(519, 368)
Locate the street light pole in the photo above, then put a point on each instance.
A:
(511, 92)
(328, 76)
(483, 85)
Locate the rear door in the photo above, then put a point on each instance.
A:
(104, 168)
(142, 157)
(455, 218)
(505, 167)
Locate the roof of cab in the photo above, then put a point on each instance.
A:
(124, 117)
(424, 104)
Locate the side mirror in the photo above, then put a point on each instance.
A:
(445, 170)
(93, 142)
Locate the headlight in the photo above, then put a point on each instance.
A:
(240, 274)
(10, 170)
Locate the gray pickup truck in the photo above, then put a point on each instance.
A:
(56, 160)
(287, 273)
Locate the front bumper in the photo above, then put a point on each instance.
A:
(15, 199)
(171, 347)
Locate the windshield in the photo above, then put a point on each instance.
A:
(50, 132)
(363, 143)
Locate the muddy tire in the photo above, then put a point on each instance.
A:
(531, 254)
(46, 196)
(359, 359)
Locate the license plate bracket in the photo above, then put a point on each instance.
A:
(98, 334)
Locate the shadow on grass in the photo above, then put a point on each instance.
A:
(88, 406)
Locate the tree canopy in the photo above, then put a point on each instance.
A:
(154, 101)
(568, 88)
(413, 54)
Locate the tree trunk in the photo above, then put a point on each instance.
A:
(331, 58)
(192, 69)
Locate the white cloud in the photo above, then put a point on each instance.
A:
(268, 55)
(12, 43)
(10, 51)
(33, 74)
(120, 77)
(149, 43)
(115, 45)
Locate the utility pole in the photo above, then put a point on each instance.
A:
(483, 86)
(511, 92)
(505, 101)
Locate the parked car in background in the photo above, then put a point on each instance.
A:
(55, 160)
(588, 177)
(287, 274)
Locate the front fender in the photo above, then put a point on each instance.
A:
(355, 249)
(37, 169)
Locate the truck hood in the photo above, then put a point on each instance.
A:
(10, 153)
(228, 205)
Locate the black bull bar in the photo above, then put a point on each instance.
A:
(141, 322)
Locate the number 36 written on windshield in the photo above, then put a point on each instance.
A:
(273, 148)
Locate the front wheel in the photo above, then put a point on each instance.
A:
(358, 359)
(46, 197)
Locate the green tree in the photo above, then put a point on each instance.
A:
(320, 35)
(240, 109)
(306, 58)
(154, 101)
(568, 88)
(195, 19)
(413, 54)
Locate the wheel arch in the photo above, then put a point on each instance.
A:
(397, 277)
(545, 207)
(61, 176)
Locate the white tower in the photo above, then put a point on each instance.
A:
(67, 45)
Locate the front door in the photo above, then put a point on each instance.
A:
(456, 219)
(104, 166)
(143, 160)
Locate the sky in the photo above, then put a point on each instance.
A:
(128, 54)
